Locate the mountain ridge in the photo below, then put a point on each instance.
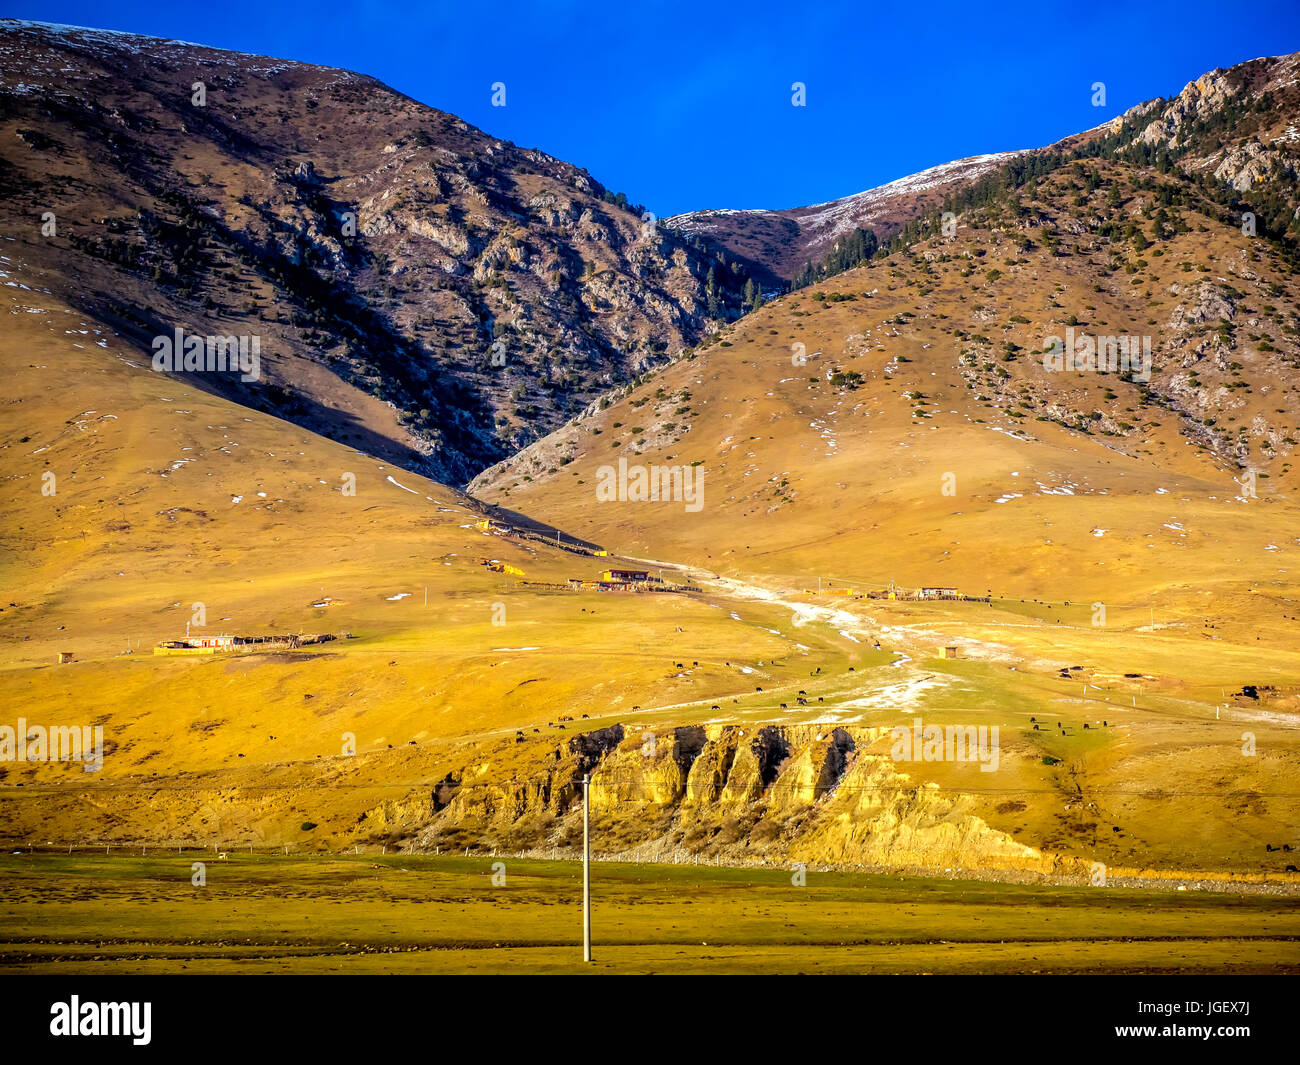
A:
(783, 241)
(1175, 223)
(434, 293)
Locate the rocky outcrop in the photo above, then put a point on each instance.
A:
(1251, 164)
(1205, 304)
(1199, 99)
(815, 793)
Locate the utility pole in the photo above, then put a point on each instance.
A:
(586, 871)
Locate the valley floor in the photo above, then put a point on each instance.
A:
(118, 914)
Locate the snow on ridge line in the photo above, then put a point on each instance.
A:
(917, 182)
(912, 181)
(63, 29)
(134, 41)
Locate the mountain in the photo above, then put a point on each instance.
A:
(824, 424)
(1111, 551)
(419, 288)
(777, 245)
(1120, 542)
(140, 508)
(1237, 125)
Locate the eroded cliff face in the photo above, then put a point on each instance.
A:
(731, 793)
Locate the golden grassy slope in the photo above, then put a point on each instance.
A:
(249, 749)
(940, 469)
(167, 497)
(1137, 518)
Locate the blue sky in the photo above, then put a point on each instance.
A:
(688, 105)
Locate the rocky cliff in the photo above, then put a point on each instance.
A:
(729, 793)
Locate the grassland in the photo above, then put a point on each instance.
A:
(169, 497)
(419, 914)
(1138, 589)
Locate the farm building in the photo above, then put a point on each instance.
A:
(645, 585)
(209, 645)
(625, 575)
(492, 525)
(585, 584)
(927, 593)
(202, 645)
(948, 652)
(65, 657)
